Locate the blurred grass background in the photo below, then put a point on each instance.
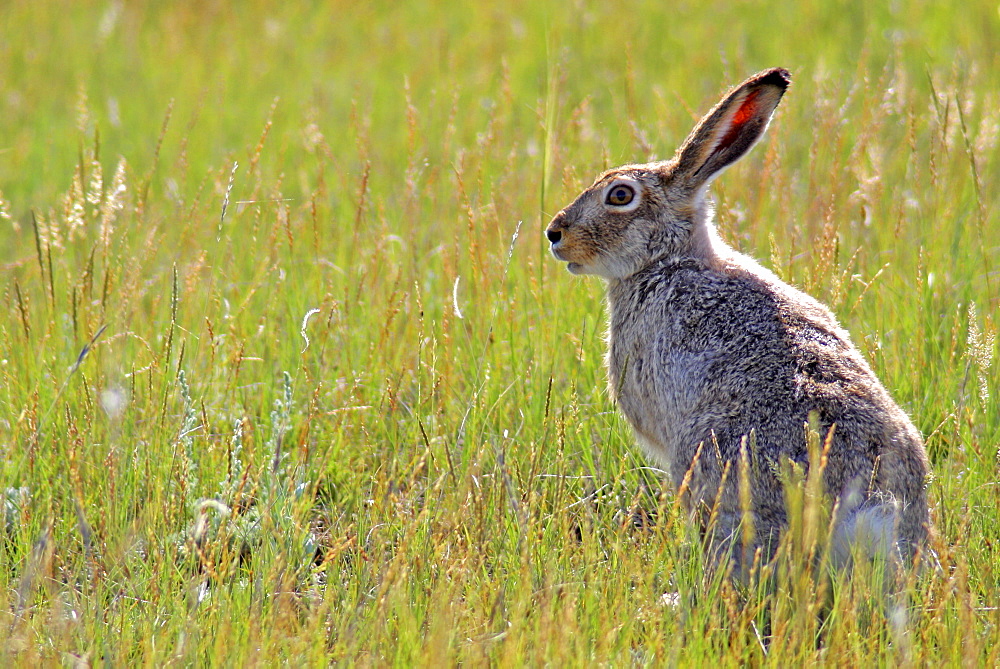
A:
(428, 467)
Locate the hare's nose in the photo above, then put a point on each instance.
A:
(553, 235)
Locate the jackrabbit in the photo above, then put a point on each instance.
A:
(715, 361)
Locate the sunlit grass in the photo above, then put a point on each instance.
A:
(360, 414)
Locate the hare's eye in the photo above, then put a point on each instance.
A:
(620, 195)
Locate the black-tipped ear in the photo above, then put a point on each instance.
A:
(731, 129)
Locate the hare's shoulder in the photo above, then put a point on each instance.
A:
(691, 303)
(739, 321)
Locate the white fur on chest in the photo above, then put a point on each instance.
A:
(651, 379)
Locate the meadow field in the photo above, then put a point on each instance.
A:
(288, 376)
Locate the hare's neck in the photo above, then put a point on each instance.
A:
(705, 244)
(702, 245)
(693, 239)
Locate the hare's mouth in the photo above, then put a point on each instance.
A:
(558, 254)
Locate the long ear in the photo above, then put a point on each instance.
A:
(731, 129)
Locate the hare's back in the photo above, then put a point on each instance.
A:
(707, 354)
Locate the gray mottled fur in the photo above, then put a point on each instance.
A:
(709, 350)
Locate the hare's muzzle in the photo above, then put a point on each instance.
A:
(554, 232)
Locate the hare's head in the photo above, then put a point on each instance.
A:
(637, 214)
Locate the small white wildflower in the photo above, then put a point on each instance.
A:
(670, 600)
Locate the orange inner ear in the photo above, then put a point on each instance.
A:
(746, 111)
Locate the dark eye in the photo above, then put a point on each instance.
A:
(620, 195)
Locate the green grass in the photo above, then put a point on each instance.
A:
(438, 474)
